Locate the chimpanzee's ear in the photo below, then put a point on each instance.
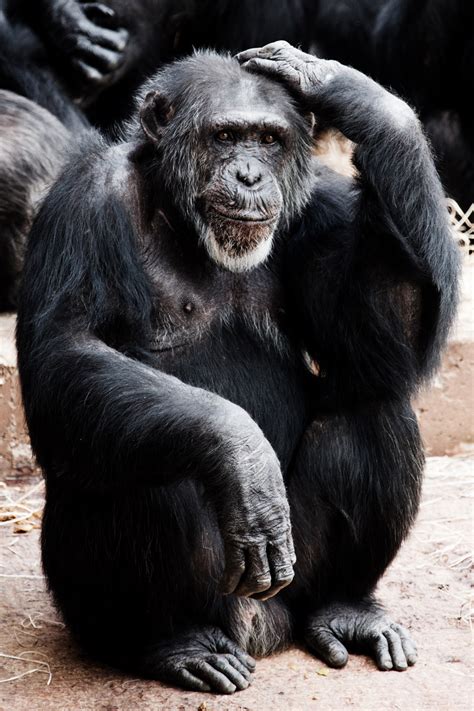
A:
(155, 113)
(311, 121)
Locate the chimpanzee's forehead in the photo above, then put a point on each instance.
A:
(248, 96)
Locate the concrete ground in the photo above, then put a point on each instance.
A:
(427, 589)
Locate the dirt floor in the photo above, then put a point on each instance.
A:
(427, 588)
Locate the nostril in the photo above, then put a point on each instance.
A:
(248, 178)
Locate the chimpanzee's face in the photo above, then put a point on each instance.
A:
(234, 153)
(242, 201)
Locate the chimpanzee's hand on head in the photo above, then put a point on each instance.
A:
(303, 73)
(89, 33)
(254, 517)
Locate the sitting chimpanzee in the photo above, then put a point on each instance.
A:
(217, 336)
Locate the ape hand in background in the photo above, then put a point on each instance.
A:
(254, 519)
(87, 33)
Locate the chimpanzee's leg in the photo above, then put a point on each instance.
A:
(136, 577)
(354, 491)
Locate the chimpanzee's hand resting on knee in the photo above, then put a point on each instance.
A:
(88, 32)
(254, 515)
(302, 72)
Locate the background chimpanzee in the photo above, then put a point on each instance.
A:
(38, 122)
(423, 50)
(33, 147)
(182, 289)
(99, 52)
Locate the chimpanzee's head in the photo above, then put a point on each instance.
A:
(233, 150)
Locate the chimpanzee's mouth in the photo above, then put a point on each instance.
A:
(245, 217)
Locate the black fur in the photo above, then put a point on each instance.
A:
(158, 386)
(38, 122)
(423, 50)
(33, 147)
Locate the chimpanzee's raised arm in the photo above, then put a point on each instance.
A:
(379, 290)
(113, 422)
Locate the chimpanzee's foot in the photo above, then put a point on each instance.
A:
(203, 659)
(363, 627)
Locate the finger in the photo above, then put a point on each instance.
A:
(90, 74)
(281, 569)
(189, 681)
(257, 577)
(409, 646)
(291, 547)
(274, 68)
(234, 675)
(328, 647)
(104, 60)
(272, 48)
(111, 39)
(248, 54)
(382, 654)
(237, 664)
(396, 650)
(216, 679)
(266, 51)
(234, 569)
(99, 14)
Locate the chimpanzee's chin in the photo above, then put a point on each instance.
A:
(238, 255)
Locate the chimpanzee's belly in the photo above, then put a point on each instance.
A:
(266, 378)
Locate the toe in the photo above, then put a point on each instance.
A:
(326, 645)
(381, 651)
(226, 646)
(223, 665)
(409, 646)
(212, 676)
(237, 664)
(190, 681)
(399, 660)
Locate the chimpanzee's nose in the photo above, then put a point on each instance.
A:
(249, 173)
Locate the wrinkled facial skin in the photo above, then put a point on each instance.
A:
(232, 150)
(242, 202)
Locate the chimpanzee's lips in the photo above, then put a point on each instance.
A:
(245, 216)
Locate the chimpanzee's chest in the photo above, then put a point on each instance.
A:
(230, 334)
(197, 302)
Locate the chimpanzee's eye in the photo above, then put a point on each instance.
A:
(223, 136)
(268, 139)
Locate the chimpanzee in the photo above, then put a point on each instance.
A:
(218, 341)
(26, 69)
(100, 52)
(38, 122)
